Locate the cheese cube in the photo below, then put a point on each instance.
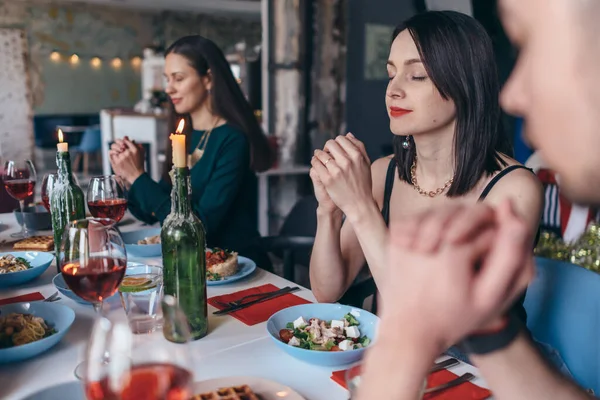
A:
(294, 341)
(346, 345)
(337, 324)
(355, 313)
(300, 323)
(352, 332)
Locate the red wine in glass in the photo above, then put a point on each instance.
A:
(20, 189)
(46, 202)
(153, 381)
(111, 208)
(95, 281)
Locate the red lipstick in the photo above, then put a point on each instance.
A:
(397, 112)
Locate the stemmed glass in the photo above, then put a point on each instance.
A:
(19, 180)
(92, 260)
(48, 185)
(106, 197)
(156, 366)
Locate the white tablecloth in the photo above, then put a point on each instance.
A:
(230, 349)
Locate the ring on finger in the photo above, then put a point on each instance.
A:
(329, 159)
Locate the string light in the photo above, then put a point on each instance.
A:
(116, 63)
(136, 62)
(96, 62)
(74, 60)
(55, 56)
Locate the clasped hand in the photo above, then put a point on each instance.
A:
(341, 175)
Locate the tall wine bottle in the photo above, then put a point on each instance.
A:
(183, 242)
(66, 202)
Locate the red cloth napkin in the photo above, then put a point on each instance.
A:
(465, 391)
(23, 298)
(259, 312)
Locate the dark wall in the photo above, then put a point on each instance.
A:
(366, 115)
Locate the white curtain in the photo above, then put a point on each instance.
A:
(16, 124)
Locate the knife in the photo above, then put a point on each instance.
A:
(451, 362)
(250, 303)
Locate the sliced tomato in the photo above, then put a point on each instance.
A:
(335, 348)
(286, 335)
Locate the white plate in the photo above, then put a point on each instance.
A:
(63, 391)
(264, 388)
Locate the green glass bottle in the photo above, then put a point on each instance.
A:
(183, 242)
(66, 201)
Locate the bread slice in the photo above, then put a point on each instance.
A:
(40, 243)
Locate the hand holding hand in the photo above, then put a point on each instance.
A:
(127, 159)
(343, 168)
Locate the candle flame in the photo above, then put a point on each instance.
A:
(60, 135)
(180, 127)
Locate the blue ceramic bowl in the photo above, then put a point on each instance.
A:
(39, 261)
(279, 320)
(61, 286)
(56, 316)
(141, 250)
(37, 218)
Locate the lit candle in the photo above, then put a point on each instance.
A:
(178, 144)
(62, 147)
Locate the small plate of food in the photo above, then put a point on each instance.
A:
(29, 329)
(223, 266)
(243, 387)
(18, 267)
(143, 243)
(323, 334)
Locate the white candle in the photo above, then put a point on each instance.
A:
(178, 144)
(60, 146)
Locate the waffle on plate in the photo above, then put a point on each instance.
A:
(242, 392)
(39, 243)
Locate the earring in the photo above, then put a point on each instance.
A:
(406, 143)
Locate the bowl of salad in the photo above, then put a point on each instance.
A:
(323, 334)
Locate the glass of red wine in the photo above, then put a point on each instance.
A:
(47, 187)
(150, 367)
(106, 197)
(19, 180)
(92, 260)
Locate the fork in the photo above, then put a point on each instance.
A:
(52, 298)
(258, 295)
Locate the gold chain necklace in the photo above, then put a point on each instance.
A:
(199, 151)
(431, 193)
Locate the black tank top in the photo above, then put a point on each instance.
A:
(517, 308)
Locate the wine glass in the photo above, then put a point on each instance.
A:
(48, 185)
(19, 180)
(156, 366)
(106, 197)
(92, 259)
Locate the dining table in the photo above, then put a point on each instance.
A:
(231, 348)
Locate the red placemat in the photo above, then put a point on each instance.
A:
(465, 391)
(259, 312)
(20, 299)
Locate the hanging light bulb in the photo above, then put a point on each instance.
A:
(96, 62)
(116, 63)
(136, 62)
(55, 56)
(74, 60)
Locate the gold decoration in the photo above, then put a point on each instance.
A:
(584, 252)
(431, 193)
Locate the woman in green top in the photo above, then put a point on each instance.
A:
(226, 147)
